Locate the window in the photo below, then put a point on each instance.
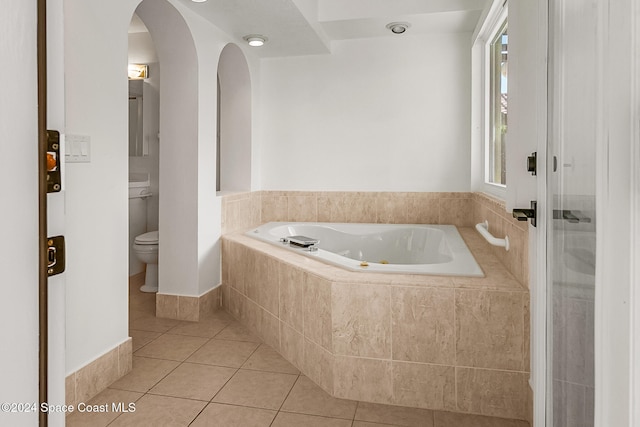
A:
(489, 101)
(497, 55)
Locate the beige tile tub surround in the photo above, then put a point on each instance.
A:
(455, 344)
(463, 209)
(502, 223)
(240, 210)
(372, 207)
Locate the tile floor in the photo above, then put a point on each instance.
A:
(216, 373)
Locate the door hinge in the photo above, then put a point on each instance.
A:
(532, 166)
(55, 255)
(54, 178)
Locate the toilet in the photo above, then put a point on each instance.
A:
(145, 246)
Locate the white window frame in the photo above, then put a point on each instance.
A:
(490, 23)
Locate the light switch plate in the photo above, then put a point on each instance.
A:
(78, 149)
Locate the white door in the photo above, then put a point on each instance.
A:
(18, 212)
(56, 213)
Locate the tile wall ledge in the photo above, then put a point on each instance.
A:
(234, 194)
(499, 207)
(497, 277)
(394, 194)
(316, 193)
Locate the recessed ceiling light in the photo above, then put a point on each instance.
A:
(398, 27)
(255, 40)
(198, 1)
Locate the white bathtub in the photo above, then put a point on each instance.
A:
(384, 248)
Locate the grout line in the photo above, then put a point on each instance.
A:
(287, 396)
(455, 351)
(223, 386)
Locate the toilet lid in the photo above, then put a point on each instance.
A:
(150, 238)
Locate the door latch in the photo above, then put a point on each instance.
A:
(54, 178)
(55, 255)
(527, 214)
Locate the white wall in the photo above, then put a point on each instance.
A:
(96, 48)
(384, 114)
(96, 45)
(97, 201)
(19, 215)
(96, 205)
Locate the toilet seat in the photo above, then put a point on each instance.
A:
(150, 238)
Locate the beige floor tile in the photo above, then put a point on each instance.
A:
(216, 414)
(193, 381)
(145, 374)
(207, 328)
(451, 419)
(236, 332)
(285, 419)
(219, 315)
(308, 398)
(267, 359)
(105, 412)
(138, 314)
(161, 411)
(152, 323)
(395, 415)
(143, 302)
(172, 347)
(256, 389)
(142, 338)
(224, 353)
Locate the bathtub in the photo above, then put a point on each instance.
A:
(382, 248)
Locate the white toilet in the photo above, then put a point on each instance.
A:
(145, 246)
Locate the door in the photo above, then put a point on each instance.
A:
(19, 213)
(571, 200)
(55, 204)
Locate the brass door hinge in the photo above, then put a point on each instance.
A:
(54, 178)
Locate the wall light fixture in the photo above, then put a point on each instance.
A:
(138, 71)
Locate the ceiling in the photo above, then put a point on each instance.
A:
(307, 27)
